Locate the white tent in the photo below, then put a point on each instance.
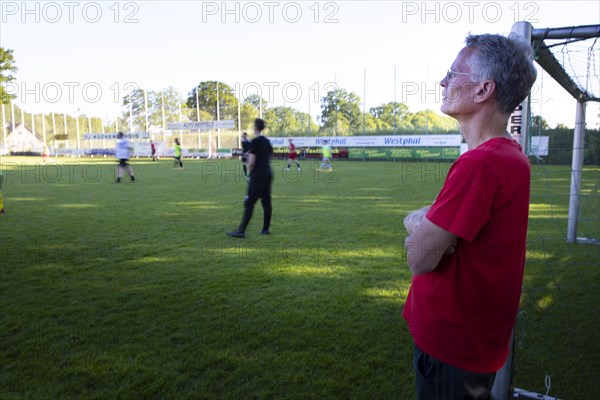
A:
(23, 140)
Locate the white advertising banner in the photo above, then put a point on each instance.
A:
(539, 145)
(130, 136)
(142, 149)
(69, 152)
(371, 141)
(202, 125)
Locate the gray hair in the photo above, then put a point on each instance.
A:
(507, 62)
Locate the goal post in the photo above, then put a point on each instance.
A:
(519, 127)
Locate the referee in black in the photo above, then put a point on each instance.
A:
(261, 178)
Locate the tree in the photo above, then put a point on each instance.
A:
(7, 69)
(304, 119)
(257, 102)
(281, 120)
(135, 109)
(248, 115)
(172, 100)
(539, 123)
(286, 120)
(384, 115)
(207, 99)
(430, 121)
(370, 122)
(340, 112)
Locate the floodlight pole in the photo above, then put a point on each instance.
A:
(102, 131)
(53, 129)
(395, 123)
(43, 127)
(364, 102)
(4, 128)
(146, 111)
(77, 130)
(12, 115)
(66, 130)
(162, 95)
(239, 123)
(577, 165)
(218, 119)
(198, 117)
(308, 126)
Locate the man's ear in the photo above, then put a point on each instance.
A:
(484, 91)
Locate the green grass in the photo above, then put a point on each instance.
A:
(133, 290)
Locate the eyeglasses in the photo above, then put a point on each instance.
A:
(451, 74)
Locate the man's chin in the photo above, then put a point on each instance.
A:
(445, 108)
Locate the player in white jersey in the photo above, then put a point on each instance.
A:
(122, 153)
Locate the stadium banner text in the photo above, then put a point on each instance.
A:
(371, 141)
(109, 136)
(441, 153)
(202, 125)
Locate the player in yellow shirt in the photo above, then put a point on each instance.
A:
(326, 153)
(178, 155)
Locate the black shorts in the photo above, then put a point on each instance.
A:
(123, 162)
(441, 381)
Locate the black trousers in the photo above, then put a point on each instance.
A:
(258, 188)
(439, 381)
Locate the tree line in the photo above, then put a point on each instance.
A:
(340, 112)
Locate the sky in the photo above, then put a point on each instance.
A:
(85, 55)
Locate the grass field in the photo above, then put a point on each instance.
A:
(133, 290)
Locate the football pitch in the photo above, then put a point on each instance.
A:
(133, 290)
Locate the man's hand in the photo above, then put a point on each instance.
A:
(426, 246)
(412, 220)
(452, 248)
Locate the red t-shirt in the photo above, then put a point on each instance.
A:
(462, 313)
(292, 152)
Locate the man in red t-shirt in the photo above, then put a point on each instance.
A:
(467, 253)
(292, 156)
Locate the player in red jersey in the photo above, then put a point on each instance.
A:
(292, 156)
(153, 150)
